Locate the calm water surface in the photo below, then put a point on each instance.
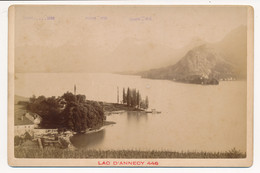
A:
(194, 117)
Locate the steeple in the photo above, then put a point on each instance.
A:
(75, 89)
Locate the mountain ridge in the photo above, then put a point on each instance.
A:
(208, 63)
(201, 65)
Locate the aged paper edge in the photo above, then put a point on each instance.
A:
(22, 162)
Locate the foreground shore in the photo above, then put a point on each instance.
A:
(51, 152)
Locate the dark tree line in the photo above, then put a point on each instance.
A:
(72, 112)
(133, 98)
(47, 107)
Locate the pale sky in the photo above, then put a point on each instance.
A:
(87, 38)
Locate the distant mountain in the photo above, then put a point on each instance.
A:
(18, 99)
(234, 47)
(201, 65)
(136, 55)
(209, 62)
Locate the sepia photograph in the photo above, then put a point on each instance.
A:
(130, 85)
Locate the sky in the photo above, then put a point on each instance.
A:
(113, 38)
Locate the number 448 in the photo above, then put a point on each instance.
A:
(152, 163)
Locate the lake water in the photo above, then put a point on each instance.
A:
(194, 117)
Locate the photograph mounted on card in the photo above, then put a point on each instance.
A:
(130, 86)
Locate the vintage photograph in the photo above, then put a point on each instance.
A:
(130, 82)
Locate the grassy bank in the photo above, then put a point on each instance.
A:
(21, 152)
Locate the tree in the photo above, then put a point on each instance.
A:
(146, 102)
(142, 104)
(138, 98)
(47, 108)
(134, 98)
(69, 97)
(124, 96)
(80, 98)
(78, 115)
(128, 97)
(32, 99)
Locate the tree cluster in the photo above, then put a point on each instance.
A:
(132, 97)
(48, 108)
(69, 111)
(81, 114)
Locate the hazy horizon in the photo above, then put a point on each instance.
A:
(126, 38)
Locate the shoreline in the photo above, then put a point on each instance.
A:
(61, 140)
(118, 107)
(105, 124)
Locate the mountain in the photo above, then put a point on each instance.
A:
(234, 47)
(128, 56)
(20, 99)
(201, 65)
(209, 62)
(136, 55)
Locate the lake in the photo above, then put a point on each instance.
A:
(193, 118)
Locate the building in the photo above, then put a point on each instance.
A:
(25, 121)
(35, 118)
(29, 122)
(22, 124)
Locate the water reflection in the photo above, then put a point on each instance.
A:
(136, 117)
(191, 114)
(88, 140)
